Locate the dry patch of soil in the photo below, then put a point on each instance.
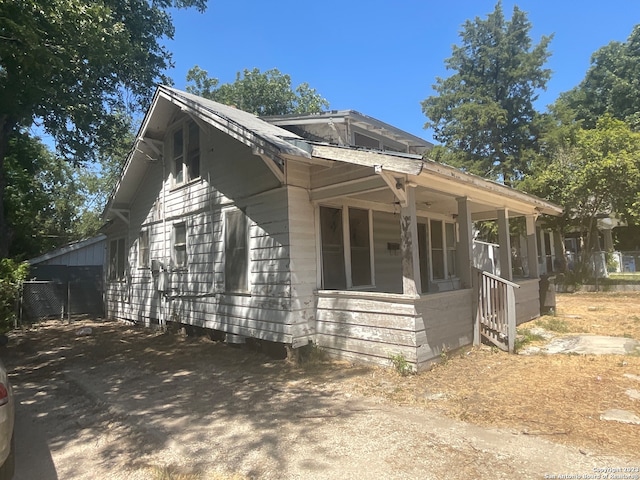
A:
(151, 405)
(559, 397)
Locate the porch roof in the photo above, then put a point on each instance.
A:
(435, 182)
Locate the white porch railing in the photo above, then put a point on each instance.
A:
(496, 311)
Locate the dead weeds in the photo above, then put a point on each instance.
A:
(558, 397)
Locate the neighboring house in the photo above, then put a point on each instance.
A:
(228, 222)
(68, 280)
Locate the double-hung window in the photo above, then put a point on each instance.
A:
(180, 245)
(143, 249)
(443, 249)
(236, 252)
(117, 258)
(345, 266)
(186, 152)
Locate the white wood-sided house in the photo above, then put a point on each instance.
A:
(329, 228)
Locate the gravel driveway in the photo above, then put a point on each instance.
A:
(125, 402)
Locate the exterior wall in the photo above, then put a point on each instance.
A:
(371, 327)
(367, 327)
(527, 300)
(303, 256)
(447, 323)
(197, 295)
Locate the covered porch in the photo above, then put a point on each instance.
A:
(395, 253)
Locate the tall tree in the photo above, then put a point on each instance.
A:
(260, 93)
(611, 85)
(70, 64)
(484, 112)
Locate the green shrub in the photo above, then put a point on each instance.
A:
(12, 274)
(401, 364)
(525, 337)
(554, 325)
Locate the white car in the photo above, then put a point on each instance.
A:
(7, 417)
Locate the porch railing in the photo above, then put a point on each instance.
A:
(496, 311)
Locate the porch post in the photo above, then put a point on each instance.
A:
(409, 246)
(532, 247)
(608, 240)
(543, 251)
(505, 244)
(465, 244)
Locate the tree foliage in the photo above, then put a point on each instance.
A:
(12, 274)
(48, 200)
(611, 85)
(260, 93)
(483, 113)
(71, 65)
(591, 172)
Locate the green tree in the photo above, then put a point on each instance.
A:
(611, 85)
(69, 65)
(260, 93)
(484, 113)
(46, 198)
(591, 172)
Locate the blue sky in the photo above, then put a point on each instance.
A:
(379, 57)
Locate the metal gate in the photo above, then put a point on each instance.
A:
(60, 291)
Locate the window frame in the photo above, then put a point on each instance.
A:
(181, 245)
(185, 174)
(243, 289)
(446, 249)
(346, 246)
(144, 248)
(119, 273)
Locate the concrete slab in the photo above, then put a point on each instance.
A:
(632, 376)
(622, 416)
(592, 344)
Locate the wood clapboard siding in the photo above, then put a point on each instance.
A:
(527, 300)
(197, 296)
(368, 326)
(323, 176)
(303, 264)
(447, 323)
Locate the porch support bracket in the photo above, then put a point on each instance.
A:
(396, 186)
(276, 165)
(122, 214)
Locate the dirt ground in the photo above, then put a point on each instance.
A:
(126, 402)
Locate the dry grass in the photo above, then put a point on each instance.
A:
(559, 397)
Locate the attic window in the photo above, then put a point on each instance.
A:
(186, 153)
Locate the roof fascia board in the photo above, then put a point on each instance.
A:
(234, 129)
(369, 158)
(67, 249)
(447, 172)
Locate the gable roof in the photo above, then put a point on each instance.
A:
(274, 144)
(265, 139)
